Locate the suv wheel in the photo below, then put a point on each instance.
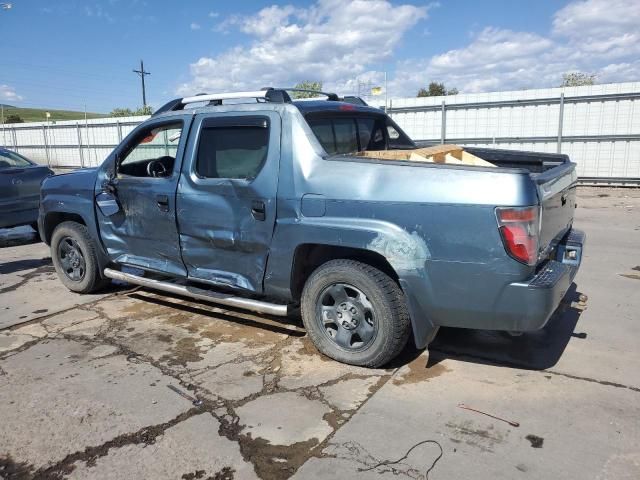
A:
(354, 313)
(74, 258)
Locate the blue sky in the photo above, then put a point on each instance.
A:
(69, 53)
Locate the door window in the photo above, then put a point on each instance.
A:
(153, 151)
(232, 151)
(12, 160)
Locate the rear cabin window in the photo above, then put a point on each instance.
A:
(344, 135)
(237, 151)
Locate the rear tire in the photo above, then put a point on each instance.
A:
(355, 313)
(74, 257)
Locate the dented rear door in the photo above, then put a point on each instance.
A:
(226, 200)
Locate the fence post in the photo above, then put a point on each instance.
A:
(443, 127)
(46, 144)
(15, 140)
(80, 152)
(560, 122)
(119, 131)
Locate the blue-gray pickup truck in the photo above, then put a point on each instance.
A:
(265, 204)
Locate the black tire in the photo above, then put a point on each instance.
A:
(86, 278)
(383, 308)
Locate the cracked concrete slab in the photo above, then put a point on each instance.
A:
(56, 402)
(191, 449)
(28, 277)
(86, 386)
(231, 381)
(285, 418)
(349, 394)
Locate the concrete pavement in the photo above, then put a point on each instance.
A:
(84, 383)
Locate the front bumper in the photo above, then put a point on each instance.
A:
(527, 306)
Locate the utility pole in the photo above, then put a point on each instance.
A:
(142, 73)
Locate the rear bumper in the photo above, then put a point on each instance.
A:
(527, 306)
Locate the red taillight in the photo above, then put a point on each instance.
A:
(519, 230)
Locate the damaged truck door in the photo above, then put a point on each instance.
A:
(135, 197)
(226, 199)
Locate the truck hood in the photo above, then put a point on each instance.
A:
(83, 179)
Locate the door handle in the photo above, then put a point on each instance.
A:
(258, 210)
(163, 202)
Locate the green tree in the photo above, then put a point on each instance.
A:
(578, 79)
(436, 89)
(146, 110)
(307, 85)
(127, 112)
(121, 112)
(13, 118)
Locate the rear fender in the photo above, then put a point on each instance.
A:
(406, 252)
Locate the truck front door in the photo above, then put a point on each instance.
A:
(136, 205)
(226, 200)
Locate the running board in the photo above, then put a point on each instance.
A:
(200, 294)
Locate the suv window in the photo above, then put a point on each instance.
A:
(233, 151)
(12, 160)
(153, 151)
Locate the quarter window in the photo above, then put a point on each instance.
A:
(237, 151)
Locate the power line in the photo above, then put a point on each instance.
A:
(142, 74)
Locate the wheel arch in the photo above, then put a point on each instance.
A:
(53, 219)
(309, 256)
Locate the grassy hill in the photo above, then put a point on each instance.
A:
(38, 114)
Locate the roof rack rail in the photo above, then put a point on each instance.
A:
(273, 95)
(330, 96)
(268, 94)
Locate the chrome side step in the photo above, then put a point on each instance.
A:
(200, 294)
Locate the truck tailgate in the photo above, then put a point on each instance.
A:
(555, 178)
(557, 192)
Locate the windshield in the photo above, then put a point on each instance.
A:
(344, 133)
(12, 160)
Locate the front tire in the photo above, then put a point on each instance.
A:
(74, 257)
(355, 313)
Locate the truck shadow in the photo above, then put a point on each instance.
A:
(537, 350)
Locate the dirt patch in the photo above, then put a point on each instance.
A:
(271, 462)
(418, 372)
(165, 338)
(185, 351)
(12, 470)
(225, 474)
(482, 438)
(536, 441)
(632, 276)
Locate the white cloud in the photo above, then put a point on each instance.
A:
(597, 36)
(194, 26)
(340, 41)
(333, 41)
(214, 14)
(8, 93)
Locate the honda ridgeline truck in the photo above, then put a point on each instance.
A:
(267, 206)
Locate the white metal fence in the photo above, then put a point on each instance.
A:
(598, 126)
(68, 143)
